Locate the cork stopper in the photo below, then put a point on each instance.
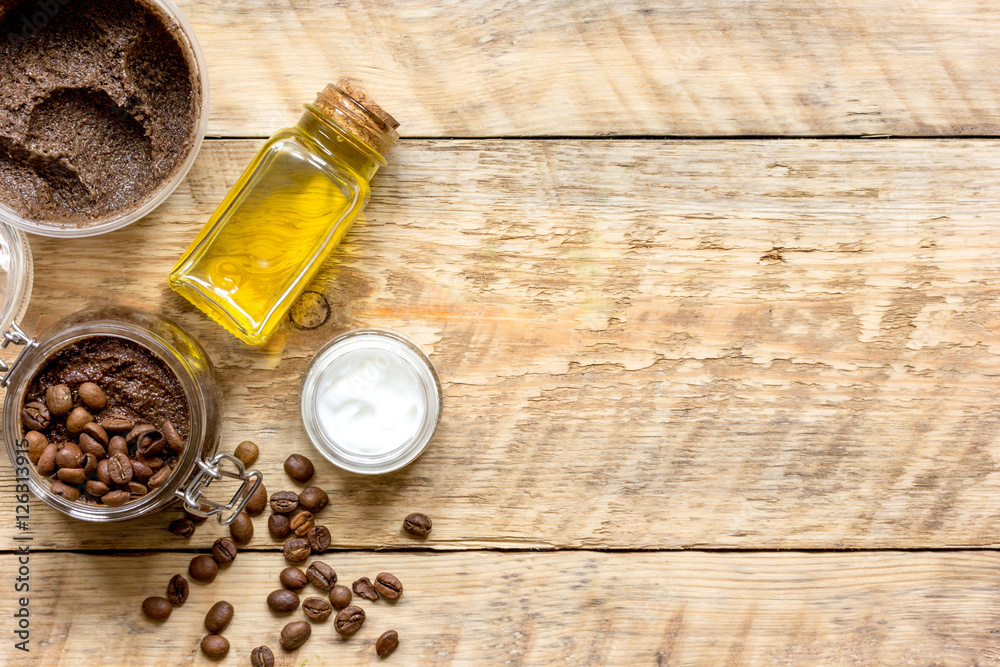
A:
(349, 106)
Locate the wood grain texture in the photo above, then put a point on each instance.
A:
(566, 67)
(655, 344)
(578, 608)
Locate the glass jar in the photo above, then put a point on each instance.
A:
(198, 466)
(286, 213)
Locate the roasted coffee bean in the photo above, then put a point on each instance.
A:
(159, 478)
(277, 525)
(257, 502)
(89, 464)
(37, 443)
(117, 424)
(301, 522)
(203, 568)
(65, 490)
(115, 498)
(70, 456)
(35, 416)
(340, 596)
(417, 524)
(77, 419)
(317, 609)
(153, 462)
(297, 550)
(47, 461)
(283, 502)
(141, 472)
(92, 396)
(261, 657)
(282, 601)
(349, 620)
(120, 469)
(150, 443)
(218, 617)
(387, 642)
(96, 431)
(173, 438)
(364, 588)
(313, 499)
(247, 452)
(135, 489)
(178, 589)
(388, 586)
(72, 475)
(293, 578)
(321, 575)
(91, 446)
(133, 435)
(117, 445)
(299, 468)
(241, 528)
(102, 472)
(183, 527)
(319, 539)
(215, 647)
(195, 519)
(157, 608)
(97, 488)
(224, 551)
(59, 400)
(295, 635)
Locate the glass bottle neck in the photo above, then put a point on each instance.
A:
(340, 143)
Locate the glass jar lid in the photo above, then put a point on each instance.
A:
(15, 276)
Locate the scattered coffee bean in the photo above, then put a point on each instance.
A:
(297, 550)
(215, 647)
(117, 445)
(115, 498)
(35, 416)
(96, 432)
(364, 588)
(218, 617)
(183, 527)
(92, 396)
(241, 528)
(70, 456)
(247, 452)
(257, 502)
(282, 601)
(321, 575)
(293, 578)
(117, 424)
(295, 635)
(177, 590)
(284, 502)
(65, 490)
(150, 443)
(224, 551)
(157, 608)
(77, 419)
(47, 461)
(203, 568)
(59, 400)
(301, 522)
(417, 524)
(278, 526)
(132, 437)
(387, 642)
(97, 488)
(102, 472)
(153, 462)
(91, 446)
(141, 472)
(388, 586)
(317, 609)
(72, 475)
(159, 478)
(37, 442)
(173, 438)
(319, 539)
(261, 657)
(299, 468)
(120, 469)
(340, 596)
(349, 620)
(135, 490)
(313, 499)
(89, 464)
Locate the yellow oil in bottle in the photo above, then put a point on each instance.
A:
(269, 237)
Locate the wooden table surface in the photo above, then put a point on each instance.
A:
(711, 287)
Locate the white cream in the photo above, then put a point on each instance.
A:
(370, 401)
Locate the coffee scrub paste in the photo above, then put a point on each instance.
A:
(98, 106)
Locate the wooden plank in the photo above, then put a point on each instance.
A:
(566, 67)
(749, 344)
(541, 609)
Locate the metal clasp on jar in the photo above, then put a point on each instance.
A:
(213, 470)
(16, 336)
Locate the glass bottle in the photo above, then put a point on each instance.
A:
(287, 212)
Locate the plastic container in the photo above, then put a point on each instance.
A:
(195, 56)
